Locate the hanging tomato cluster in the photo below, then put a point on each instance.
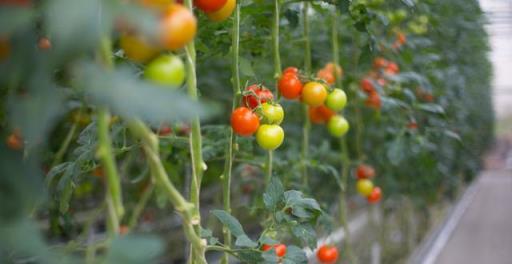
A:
(382, 68)
(365, 186)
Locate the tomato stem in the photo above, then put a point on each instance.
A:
(306, 127)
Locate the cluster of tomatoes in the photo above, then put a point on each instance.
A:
(365, 186)
(326, 254)
(382, 67)
(400, 40)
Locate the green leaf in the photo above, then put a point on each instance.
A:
(305, 233)
(273, 194)
(295, 255)
(397, 151)
(135, 249)
(250, 256)
(432, 108)
(452, 134)
(208, 235)
(246, 68)
(245, 241)
(230, 222)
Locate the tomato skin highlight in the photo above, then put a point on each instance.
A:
(364, 171)
(336, 100)
(364, 187)
(290, 86)
(320, 114)
(375, 196)
(338, 126)
(256, 96)
(208, 6)
(314, 94)
(178, 27)
(327, 254)
(224, 12)
(244, 122)
(270, 137)
(167, 70)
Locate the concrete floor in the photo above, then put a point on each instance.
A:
(484, 233)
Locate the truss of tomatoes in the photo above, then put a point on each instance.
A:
(364, 185)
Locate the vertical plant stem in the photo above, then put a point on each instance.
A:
(139, 207)
(268, 167)
(275, 42)
(65, 145)
(306, 127)
(230, 148)
(198, 165)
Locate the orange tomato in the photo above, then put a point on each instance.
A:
(314, 94)
(223, 13)
(178, 27)
(373, 100)
(326, 75)
(137, 49)
(14, 141)
(320, 114)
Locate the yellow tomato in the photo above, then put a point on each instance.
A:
(364, 187)
(224, 12)
(137, 49)
(314, 94)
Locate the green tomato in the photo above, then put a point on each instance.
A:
(167, 70)
(272, 114)
(364, 187)
(270, 137)
(336, 100)
(338, 126)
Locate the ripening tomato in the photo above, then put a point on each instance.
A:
(326, 76)
(272, 114)
(320, 114)
(224, 12)
(392, 68)
(380, 62)
(137, 49)
(14, 141)
(279, 248)
(412, 125)
(401, 38)
(270, 137)
(293, 70)
(334, 69)
(123, 230)
(178, 26)
(375, 195)
(208, 6)
(314, 94)
(364, 187)
(98, 172)
(244, 121)
(373, 101)
(338, 126)
(336, 100)
(364, 171)
(290, 86)
(166, 70)
(44, 43)
(367, 85)
(256, 95)
(327, 254)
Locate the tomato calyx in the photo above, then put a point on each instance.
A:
(256, 95)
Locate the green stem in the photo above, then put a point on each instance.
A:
(139, 207)
(306, 127)
(268, 167)
(65, 145)
(275, 42)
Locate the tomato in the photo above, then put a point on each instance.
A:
(279, 248)
(98, 172)
(244, 121)
(327, 254)
(314, 94)
(208, 6)
(44, 43)
(137, 49)
(178, 27)
(401, 38)
(156, 4)
(326, 76)
(320, 114)
(5, 48)
(336, 100)
(337, 126)
(164, 130)
(367, 85)
(166, 70)
(373, 101)
(256, 95)
(123, 230)
(364, 171)
(270, 137)
(290, 86)
(334, 69)
(392, 68)
(293, 70)
(272, 114)
(19, 3)
(380, 62)
(223, 13)
(375, 195)
(412, 125)
(14, 141)
(381, 81)
(364, 187)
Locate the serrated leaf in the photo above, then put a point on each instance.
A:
(245, 241)
(273, 194)
(295, 255)
(305, 233)
(230, 222)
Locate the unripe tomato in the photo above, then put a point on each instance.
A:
(272, 114)
(166, 70)
(326, 76)
(208, 6)
(256, 95)
(314, 94)
(327, 254)
(178, 26)
(320, 114)
(364, 171)
(373, 101)
(364, 187)
(336, 100)
(290, 86)
(224, 12)
(44, 43)
(367, 85)
(270, 137)
(375, 195)
(337, 126)
(137, 49)
(244, 122)
(279, 248)
(293, 70)
(380, 62)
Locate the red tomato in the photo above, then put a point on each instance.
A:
(326, 76)
(364, 171)
(244, 122)
(164, 130)
(412, 125)
(256, 95)
(290, 86)
(375, 195)
(320, 114)
(367, 85)
(178, 26)
(380, 62)
(123, 230)
(44, 43)
(208, 6)
(279, 248)
(392, 68)
(327, 254)
(373, 100)
(14, 141)
(401, 38)
(381, 81)
(23, 3)
(293, 70)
